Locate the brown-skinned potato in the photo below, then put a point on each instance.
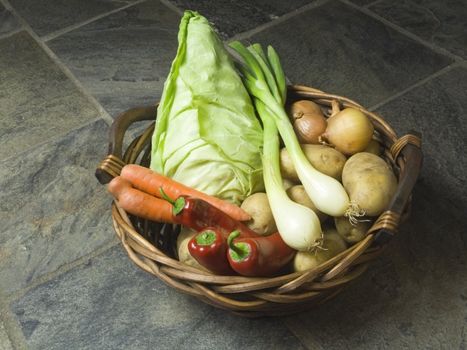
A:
(323, 158)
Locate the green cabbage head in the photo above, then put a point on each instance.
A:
(207, 135)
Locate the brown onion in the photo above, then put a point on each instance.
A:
(349, 131)
(308, 121)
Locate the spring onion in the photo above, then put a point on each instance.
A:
(298, 225)
(328, 194)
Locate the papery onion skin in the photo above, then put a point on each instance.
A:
(349, 131)
(308, 121)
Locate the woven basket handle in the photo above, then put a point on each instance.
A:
(111, 166)
(408, 147)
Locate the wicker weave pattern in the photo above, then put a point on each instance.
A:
(151, 245)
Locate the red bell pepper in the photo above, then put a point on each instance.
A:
(209, 248)
(258, 256)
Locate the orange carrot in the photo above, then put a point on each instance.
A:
(118, 185)
(140, 203)
(146, 180)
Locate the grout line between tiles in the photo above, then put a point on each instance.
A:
(413, 86)
(372, 3)
(274, 22)
(12, 327)
(61, 270)
(65, 30)
(7, 35)
(104, 114)
(168, 4)
(403, 31)
(56, 137)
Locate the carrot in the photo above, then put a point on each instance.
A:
(140, 203)
(118, 185)
(146, 180)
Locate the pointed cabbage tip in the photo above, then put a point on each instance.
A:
(190, 14)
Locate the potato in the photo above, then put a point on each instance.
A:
(369, 181)
(324, 158)
(333, 244)
(182, 248)
(374, 147)
(262, 221)
(297, 194)
(349, 232)
(287, 184)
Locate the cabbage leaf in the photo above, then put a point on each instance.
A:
(207, 135)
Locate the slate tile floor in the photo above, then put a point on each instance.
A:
(65, 66)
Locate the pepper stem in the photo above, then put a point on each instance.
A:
(239, 251)
(206, 237)
(177, 205)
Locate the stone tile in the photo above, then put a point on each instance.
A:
(5, 343)
(52, 209)
(338, 49)
(46, 16)
(124, 58)
(38, 101)
(108, 303)
(222, 330)
(439, 22)
(438, 109)
(231, 17)
(415, 296)
(8, 23)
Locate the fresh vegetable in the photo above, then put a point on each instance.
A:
(349, 131)
(260, 78)
(191, 212)
(140, 203)
(299, 226)
(333, 245)
(370, 182)
(352, 232)
(183, 253)
(258, 256)
(373, 147)
(151, 182)
(207, 135)
(262, 220)
(298, 194)
(198, 214)
(209, 249)
(308, 121)
(323, 158)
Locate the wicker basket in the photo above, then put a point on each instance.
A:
(150, 245)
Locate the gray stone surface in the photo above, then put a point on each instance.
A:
(442, 23)
(5, 343)
(338, 49)
(38, 102)
(47, 16)
(415, 296)
(8, 22)
(363, 2)
(224, 331)
(124, 58)
(231, 17)
(52, 209)
(438, 110)
(110, 303)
